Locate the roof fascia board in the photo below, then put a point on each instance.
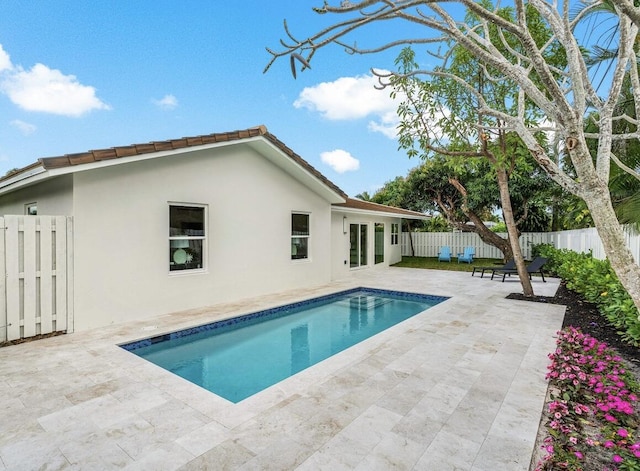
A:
(368, 212)
(23, 179)
(275, 155)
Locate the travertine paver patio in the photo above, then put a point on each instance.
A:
(460, 386)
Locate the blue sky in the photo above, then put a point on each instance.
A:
(77, 75)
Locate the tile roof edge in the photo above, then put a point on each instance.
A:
(132, 150)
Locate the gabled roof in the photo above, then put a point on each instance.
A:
(69, 163)
(360, 206)
(257, 137)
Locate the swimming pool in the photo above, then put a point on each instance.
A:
(236, 358)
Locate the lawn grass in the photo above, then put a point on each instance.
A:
(433, 263)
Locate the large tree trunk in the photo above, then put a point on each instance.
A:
(486, 234)
(408, 224)
(614, 242)
(507, 212)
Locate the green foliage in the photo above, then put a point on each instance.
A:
(437, 224)
(597, 282)
(501, 227)
(394, 193)
(364, 196)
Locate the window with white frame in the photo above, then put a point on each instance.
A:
(395, 231)
(187, 236)
(299, 236)
(31, 209)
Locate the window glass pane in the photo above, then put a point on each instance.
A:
(186, 221)
(354, 246)
(379, 242)
(363, 245)
(394, 234)
(299, 224)
(185, 254)
(299, 247)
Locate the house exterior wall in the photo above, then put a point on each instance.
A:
(340, 266)
(121, 229)
(54, 198)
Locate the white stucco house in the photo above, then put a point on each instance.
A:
(172, 225)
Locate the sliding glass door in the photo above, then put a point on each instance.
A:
(358, 235)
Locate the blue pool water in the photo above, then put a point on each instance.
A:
(239, 357)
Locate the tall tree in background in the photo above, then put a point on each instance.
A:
(447, 105)
(469, 193)
(460, 195)
(565, 96)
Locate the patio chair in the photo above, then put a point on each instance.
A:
(445, 254)
(510, 265)
(467, 255)
(534, 267)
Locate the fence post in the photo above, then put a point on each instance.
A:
(12, 264)
(3, 285)
(69, 279)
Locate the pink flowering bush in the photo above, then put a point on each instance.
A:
(593, 412)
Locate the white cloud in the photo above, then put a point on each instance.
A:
(5, 60)
(340, 160)
(46, 90)
(387, 124)
(350, 98)
(167, 102)
(24, 128)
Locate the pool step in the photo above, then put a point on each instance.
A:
(364, 302)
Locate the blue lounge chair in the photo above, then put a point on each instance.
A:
(467, 255)
(445, 254)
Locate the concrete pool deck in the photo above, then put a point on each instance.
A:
(460, 386)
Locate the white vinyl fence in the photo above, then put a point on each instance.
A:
(427, 244)
(36, 283)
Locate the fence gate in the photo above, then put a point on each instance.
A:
(36, 283)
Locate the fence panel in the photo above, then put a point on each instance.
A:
(35, 258)
(428, 244)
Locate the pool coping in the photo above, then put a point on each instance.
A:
(272, 313)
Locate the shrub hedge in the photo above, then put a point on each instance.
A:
(596, 281)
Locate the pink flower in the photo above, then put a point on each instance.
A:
(617, 459)
(608, 444)
(579, 455)
(623, 433)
